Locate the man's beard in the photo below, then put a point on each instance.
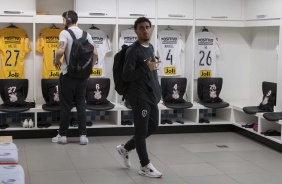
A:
(145, 39)
(66, 27)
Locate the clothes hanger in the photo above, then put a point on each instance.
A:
(205, 29)
(12, 26)
(94, 27)
(54, 26)
(132, 27)
(168, 28)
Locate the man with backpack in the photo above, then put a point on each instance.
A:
(144, 93)
(80, 55)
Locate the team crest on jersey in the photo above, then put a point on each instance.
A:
(213, 91)
(144, 113)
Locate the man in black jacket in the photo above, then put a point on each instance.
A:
(144, 94)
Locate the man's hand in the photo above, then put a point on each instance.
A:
(153, 65)
(95, 56)
(58, 64)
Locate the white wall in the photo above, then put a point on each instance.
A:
(264, 59)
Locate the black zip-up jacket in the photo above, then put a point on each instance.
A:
(143, 83)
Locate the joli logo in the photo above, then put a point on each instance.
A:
(205, 73)
(96, 72)
(170, 70)
(13, 74)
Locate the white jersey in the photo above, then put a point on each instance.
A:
(170, 46)
(207, 49)
(127, 37)
(103, 46)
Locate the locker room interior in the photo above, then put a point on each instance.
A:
(248, 33)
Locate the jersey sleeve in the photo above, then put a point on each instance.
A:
(181, 43)
(27, 44)
(121, 42)
(89, 38)
(1, 43)
(108, 44)
(217, 51)
(39, 43)
(63, 36)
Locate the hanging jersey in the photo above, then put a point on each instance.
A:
(47, 44)
(207, 49)
(103, 46)
(14, 44)
(170, 45)
(127, 37)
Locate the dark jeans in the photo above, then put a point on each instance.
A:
(146, 121)
(72, 90)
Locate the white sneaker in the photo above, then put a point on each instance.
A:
(83, 140)
(124, 154)
(150, 171)
(30, 123)
(60, 139)
(25, 123)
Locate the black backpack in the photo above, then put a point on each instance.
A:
(81, 57)
(120, 85)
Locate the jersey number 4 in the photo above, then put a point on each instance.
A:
(169, 56)
(203, 58)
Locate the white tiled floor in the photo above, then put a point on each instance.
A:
(182, 158)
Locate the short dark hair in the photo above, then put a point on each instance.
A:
(72, 15)
(140, 20)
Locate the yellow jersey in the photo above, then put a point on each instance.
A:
(47, 44)
(14, 44)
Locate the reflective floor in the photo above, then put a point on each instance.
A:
(194, 158)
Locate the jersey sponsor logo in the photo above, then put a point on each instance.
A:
(96, 72)
(13, 74)
(130, 39)
(12, 39)
(97, 40)
(52, 39)
(205, 73)
(54, 74)
(205, 41)
(170, 70)
(169, 40)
